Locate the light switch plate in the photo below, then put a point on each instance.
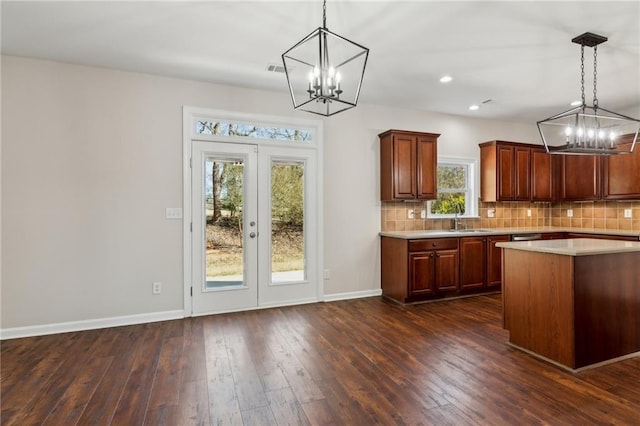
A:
(627, 213)
(173, 213)
(569, 213)
(410, 214)
(491, 213)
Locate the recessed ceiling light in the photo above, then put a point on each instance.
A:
(576, 103)
(474, 107)
(445, 79)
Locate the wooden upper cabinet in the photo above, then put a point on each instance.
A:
(542, 170)
(505, 169)
(408, 165)
(522, 158)
(580, 177)
(621, 174)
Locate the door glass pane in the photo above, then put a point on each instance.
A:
(287, 222)
(224, 193)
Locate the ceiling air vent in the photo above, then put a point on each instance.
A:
(275, 68)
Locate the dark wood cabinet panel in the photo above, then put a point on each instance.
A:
(522, 171)
(581, 177)
(404, 166)
(446, 270)
(505, 169)
(408, 165)
(494, 261)
(421, 274)
(542, 176)
(427, 168)
(601, 236)
(506, 173)
(554, 235)
(621, 174)
(472, 263)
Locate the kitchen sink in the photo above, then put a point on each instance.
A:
(469, 230)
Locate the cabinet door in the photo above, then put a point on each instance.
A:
(506, 173)
(426, 168)
(554, 236)
(421, 272)
(494, 261)
(622, 174)
(446, 270)
(581, 177)
(472, 263)
(541, 176)
(404, 166)
(522, 158)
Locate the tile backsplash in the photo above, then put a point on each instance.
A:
(596, 214)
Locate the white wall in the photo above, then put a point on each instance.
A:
(92, 157)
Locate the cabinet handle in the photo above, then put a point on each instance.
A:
(437, 254)
(430, 255)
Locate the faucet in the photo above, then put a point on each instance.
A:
(457, 225)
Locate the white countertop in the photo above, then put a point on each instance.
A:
(574, 246)
(411, 235)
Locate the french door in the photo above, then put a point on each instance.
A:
(254, 220)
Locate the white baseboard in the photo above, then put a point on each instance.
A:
(352, 295)
(65, 327)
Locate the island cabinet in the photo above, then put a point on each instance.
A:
(621, 174)
(580, 177)
(415, 270)
(505, 169)
(573, 302)
(408, 165)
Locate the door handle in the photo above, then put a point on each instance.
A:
(252, 235)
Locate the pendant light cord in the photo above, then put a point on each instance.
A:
(595, 65)
(324, 14)
(584, 102)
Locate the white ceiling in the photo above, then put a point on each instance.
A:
(518, 54)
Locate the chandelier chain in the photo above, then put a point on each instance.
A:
(595, 65)
(584, 102)
(324, 14)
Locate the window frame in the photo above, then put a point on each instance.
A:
(471, 199)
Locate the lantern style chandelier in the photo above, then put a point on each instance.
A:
(324, 71)
(589, 129)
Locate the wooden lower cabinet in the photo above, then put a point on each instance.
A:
(473, 264)
(415, 270)
(602, 236)
(494, 261)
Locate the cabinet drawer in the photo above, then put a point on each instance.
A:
(433, 244)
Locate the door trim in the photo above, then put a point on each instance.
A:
(189, 113)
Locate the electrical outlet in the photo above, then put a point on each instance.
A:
(156, 287)
(410, 214)
(569, 213)
(627, 213)
(423, 214)
(326, 274)
(491, 213)
(528, 212)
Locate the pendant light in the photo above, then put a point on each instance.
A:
(589, 129)
(324, 71)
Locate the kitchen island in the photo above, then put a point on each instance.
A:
(573, 302)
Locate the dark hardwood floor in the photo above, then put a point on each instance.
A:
(357, 362)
